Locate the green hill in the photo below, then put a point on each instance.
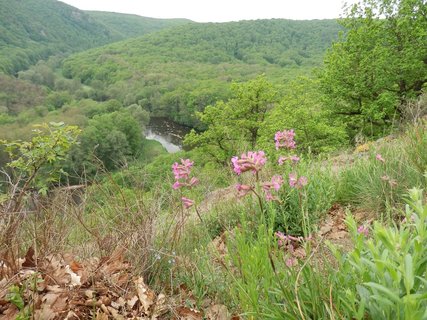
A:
(31, 30)
(178, 71)
(130, 25)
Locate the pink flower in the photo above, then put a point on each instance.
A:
(293, 159)
(187, 202)
(193, 182)
(269, 196)
(363, 230)
(253, 160)
(243, 190)
(294, 182)
(285, 139)
(277, 182)
(282, 160)
(302, 181)
(380, 158)
(177, 185)
(182, 171)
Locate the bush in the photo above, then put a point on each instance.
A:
(385, 276)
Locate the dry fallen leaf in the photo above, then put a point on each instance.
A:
(189, 314)
(75, 279)
(217, 312)
(131, 302)
(145, 295)
(29, 259)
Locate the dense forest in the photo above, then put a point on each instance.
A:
(128, 25)
(299, 191)
(32, 30)
(181, 70)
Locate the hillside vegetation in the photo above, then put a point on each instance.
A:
(179, 71)
(131, 25)
(300, 194)
(31, 30)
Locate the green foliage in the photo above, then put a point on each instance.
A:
(57, 99)
(15, 296)
(263, 286)
(379, 186)
(129, 25)
(18, 95)
(379, 65)
(112, 138)
(36, 161)
(178, 71)
(302, 110)
(385, 275)
(303, 208)
(32, 30)
(234, 124)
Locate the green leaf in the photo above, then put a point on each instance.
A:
(394, 297)
(409, 273)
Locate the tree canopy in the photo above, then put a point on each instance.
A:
(371, 72)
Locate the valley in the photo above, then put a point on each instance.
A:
(255, 169)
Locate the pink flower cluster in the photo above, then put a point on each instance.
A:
(285, 139)
(364, 230)
(252, 161)
(187, 202)
(181, 173)
(295, 182)
(276, 183)
(243, 189)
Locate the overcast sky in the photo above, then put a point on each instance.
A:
(218, 10)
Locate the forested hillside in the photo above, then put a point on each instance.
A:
(31, 30)
(181, 70)
(130, 25)
(298, 193)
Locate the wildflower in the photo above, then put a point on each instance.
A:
(187, 202)
(253, 160)
(243, 190)
(302, 181)
(363, 230)
(293, 159)
(295, 182)
(177, 185)
(193, 182)
(380, 158)
(285, 139)
(277, 182)
(269, 196)
(182, 171)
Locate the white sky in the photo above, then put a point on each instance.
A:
(218, 10)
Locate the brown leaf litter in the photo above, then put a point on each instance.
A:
(59, 287)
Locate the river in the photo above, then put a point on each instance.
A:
(167, 132)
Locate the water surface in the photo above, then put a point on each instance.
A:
(167, 132)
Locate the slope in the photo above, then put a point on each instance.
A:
(130, 25)
(178, 71)
(31, 30)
